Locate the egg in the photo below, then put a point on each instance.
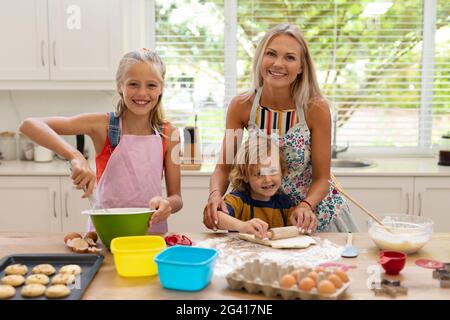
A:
(306, 284)
(326, 287)
(313, 275)
(319, 269)
(336, 280)
(287, 281)
(342, 274)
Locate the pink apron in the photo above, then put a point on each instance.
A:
(132, 176)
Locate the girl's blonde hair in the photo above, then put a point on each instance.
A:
(305, 87)
(154, 61)
(254, 152)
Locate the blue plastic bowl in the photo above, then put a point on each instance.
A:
(185, 268)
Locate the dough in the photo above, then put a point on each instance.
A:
(46, 269)
(37, 278)
(71, 269)
(33, 290)
(64, 278)
(57, 291)
(6, 291)
(19, 269)
(13, 280)
(299, 242)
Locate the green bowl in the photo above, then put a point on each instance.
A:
(119, 222)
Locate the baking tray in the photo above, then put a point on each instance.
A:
(89, 263)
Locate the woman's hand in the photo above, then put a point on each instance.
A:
(162, 207)
(304, 218)
(210, 216)
(255, 226)
(83, 176)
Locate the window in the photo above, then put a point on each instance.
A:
(383, 65)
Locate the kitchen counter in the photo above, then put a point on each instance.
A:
(108, 285)
(383, 167)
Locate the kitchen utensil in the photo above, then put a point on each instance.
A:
(134, 256)
(349, 250)
(298, 242)
(283, 233)
(429, 264)
(186, 268)
(119, 222)
(91, 198)
(175, 239)
(392, 261)
(89, 263)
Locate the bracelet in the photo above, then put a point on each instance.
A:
(212, 193)
(309, 204)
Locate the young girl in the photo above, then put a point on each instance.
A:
(257, 202)
(285, 98)
(133, 146)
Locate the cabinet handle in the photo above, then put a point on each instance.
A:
(42, 53)
(407, 203)
(54, 53)
(54, 204)
(65, 204)
(420, 204)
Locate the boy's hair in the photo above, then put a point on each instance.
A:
(255, 151)
(154, 61)
(305, 87)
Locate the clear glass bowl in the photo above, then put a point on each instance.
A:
(400, 232)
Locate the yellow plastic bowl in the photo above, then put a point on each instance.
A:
(134, 256)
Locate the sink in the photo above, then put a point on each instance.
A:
(344, 163)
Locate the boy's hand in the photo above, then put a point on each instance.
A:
(255, 226)
(304, 219)
(82, 175)
(162, 207)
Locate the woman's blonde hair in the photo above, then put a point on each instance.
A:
(254, 152)
(154, 61)
(305, 87)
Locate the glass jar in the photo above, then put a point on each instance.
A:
(26, 147)
(444, 150)
(8, 145)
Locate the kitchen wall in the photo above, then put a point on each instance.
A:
(18, 105)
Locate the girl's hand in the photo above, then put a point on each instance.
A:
(255, 226)
(163, 210)
(210, 216)
(303, 218)
(83, 176)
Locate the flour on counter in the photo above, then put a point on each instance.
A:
(233, 253)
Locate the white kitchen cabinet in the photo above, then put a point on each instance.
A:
(30, 204)
(71, 207)
(432, 200)
(380, 195)
(60, 39)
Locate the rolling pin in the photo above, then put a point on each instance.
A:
(283, 233)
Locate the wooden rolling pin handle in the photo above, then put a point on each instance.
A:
(283, 233)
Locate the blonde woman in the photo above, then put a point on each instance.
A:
(285, 100)
(131, 145)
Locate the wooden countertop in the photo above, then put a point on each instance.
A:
(108, 285)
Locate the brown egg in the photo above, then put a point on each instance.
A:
(306, 284)
(71, 235)
(326, 287)
(319, 269)
(342, 274)
(287, 281)
(336, 280)
(313, 275)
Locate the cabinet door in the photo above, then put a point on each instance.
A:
(380, 195)
(195, 194)
(432, 200)
(85, 39)
(71, 207)
(24, 40)
(30, 204)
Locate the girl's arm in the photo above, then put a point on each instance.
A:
(172, 169)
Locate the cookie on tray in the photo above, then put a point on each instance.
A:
(19, 269)
(64, 278)
(33, 290)
(46, 269)
(6, 291)
(37, 278)
(71, 269)
(57, 291)
(13, 280)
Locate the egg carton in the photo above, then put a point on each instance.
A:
(263, 277)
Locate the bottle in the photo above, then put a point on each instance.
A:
(444, 150)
